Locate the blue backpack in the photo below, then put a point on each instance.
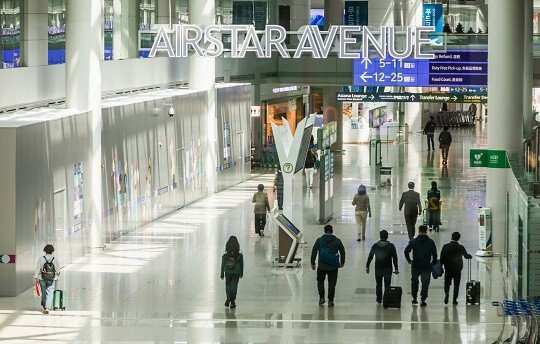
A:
(436, 269)
(327, 255)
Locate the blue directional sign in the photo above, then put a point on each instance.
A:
(452, 68)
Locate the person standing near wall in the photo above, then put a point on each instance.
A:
(46, 274)
(309, 168)
(361, 211)
(261, 207)
(232, 269)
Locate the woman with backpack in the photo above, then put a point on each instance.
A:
(232, 269)
(47, 271)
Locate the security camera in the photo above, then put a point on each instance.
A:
(171, 112)
(155, 112)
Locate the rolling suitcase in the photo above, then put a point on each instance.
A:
(59, 300)
(472, 289)
(392, 297)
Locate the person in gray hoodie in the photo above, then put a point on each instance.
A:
(331, 254)
(385, 254)
(424, 255)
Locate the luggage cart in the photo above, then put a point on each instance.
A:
(524, 318)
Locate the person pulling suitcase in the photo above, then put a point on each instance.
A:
(452, 262)
(385, 254)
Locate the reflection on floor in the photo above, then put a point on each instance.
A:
(161, 283)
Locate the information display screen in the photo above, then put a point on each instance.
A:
(288, 224)
(377, 117)
(304, 146)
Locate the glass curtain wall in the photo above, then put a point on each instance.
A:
(182, 11)
(57, 31)
(462, 17)
(10, 42)
(108, 28)
(147, 18)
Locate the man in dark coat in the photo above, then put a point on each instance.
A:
(452, 263)
(411, 200)
(424, 255)
(327, 243)
(385, 254)
(429, 131)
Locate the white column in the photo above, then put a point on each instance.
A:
(125, 29)
(34, 33)
(299, 13)
(202, 76)
(505, 103)
(528, 70)
(166, 11)
(84, 40)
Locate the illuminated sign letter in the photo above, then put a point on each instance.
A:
(344, 41)
(278, 41)
(234, 37)
(408, 47)
(380, 47)
(251, 43)
(307, 37)
(191, 41)
(213, 41)
(324, 45)
(419, 42)
(162, 43)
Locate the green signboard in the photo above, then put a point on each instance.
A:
(409, 97)
(488, 158)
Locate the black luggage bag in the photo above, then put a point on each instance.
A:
(392, 297)
(472, 289)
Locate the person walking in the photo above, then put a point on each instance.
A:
(46, 274)
(445, 140)
(385, 254)
(262, 206)
(232, 269)
(361, 211)
(434, 207)
(309, 168)
(411, 200)
(424, 255)
(452, 262)
(331, 257)
(278, 185)
(429, 131)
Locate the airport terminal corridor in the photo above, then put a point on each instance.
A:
(161, 282)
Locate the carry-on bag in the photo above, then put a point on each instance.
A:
(392, 296)
(59, 300)
(472, 289)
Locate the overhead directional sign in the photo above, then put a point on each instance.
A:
(453, 68)
(409, 97)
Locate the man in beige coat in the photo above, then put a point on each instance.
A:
(260, 198)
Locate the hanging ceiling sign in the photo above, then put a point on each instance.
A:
(182, 40)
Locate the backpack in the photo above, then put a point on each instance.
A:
(48, 271)
(327, 255)
(230, 264)
(436, 269)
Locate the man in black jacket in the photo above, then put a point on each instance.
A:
(424, 255)
(445, 140)
(411, 200)
(452, 262)
(429, 131)
(385, 254)
(328, 247)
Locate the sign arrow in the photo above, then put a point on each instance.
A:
(366, 61)
(364, 77)
(371, 97)
(455, 98)
(413, 97)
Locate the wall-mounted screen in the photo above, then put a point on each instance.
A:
(304, 146)
(377, 117)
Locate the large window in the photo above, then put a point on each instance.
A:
(10, 42)
(147, 18)
(57, 31)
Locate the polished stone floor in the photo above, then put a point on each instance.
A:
(161, 283)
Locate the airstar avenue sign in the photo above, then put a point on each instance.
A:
(182, 40)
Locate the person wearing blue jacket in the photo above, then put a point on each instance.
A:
(424, 254)
(327, 243)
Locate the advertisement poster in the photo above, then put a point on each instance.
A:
(356, 13)
(78, 190)
(433, 16)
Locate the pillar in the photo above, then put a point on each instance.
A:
(299, 13)
(83, 91)
(166, 10)
(202, 76)
(125, 26)
(505, 103)
(34, 33)
(333, 13)
(528, 70)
